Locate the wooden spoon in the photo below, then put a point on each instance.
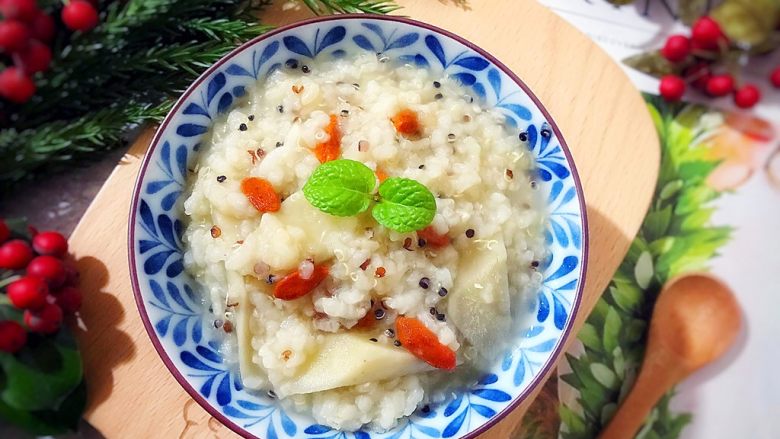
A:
(695, 320)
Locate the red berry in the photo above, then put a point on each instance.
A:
(42, 27)
(35, 58)
(48, 268)
(46, 320)
(79, 15)
(23, 10)
(677, 48)
(747, 96)
(720, 85)
(775, 77)
(672, 88)
(50, 243)
(12, 336)
(5, 232)
(28, 292)
(15, 254)
(69, 299)
(16, 86)
(13, 35)
(706, 33)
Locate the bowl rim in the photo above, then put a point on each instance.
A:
(134, 278)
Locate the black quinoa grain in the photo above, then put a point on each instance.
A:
(251, 117)
(440, 317)
(242, 127)
(438, 96)
(432, 311)
(425, 283)
(292, 63)
(437, 84)
(426, 409)
(356, 85)
(533, 184)
(421, 167)
(270, 279)
(280, 108)
(389, 333)
(470, 233)
(397, 343)
(344, 113)
(272, 394)
(278, 144)
(221, 178)
(534, 264)
(450, 137)
(373, 339)
(379, 314)
(523, 136)
(421, 242)
(218, 323)
(545, 132)
(443, 291)
(305, 69)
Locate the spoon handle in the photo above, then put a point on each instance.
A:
(655, 379)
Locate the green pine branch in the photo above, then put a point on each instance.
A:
(321, 7)
(676, 236)
(125, 73)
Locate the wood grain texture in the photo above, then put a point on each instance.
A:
(600, 114)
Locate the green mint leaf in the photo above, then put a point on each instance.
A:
(340, 187)
(405, 205)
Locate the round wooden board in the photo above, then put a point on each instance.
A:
(600, 114)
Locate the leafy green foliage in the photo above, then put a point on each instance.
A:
(676, 237)
(346, 188)
(405, 205)
(340, 187)
(42, 387)
(125, 73)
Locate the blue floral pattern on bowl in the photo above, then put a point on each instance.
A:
(180, 326)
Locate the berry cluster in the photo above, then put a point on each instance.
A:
(25, 32)
(698, 55)
(38, 282)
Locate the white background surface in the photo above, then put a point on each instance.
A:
(739, 396)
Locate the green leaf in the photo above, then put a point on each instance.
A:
(43, 373)
(405, 205)
(643, 270)
(572, 420)
(619, 362)
(670, 189)
(657, 223)
(340, 187)
(652, 63)
(604, 375)
(589, 337)
(612, 326)
(696, 220)
(749, 22)
(627, 296)
(56, 421)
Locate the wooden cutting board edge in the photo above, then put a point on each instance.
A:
(600, 119)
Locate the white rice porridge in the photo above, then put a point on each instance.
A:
(335, 352)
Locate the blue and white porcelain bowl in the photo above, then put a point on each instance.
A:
(180, 326)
